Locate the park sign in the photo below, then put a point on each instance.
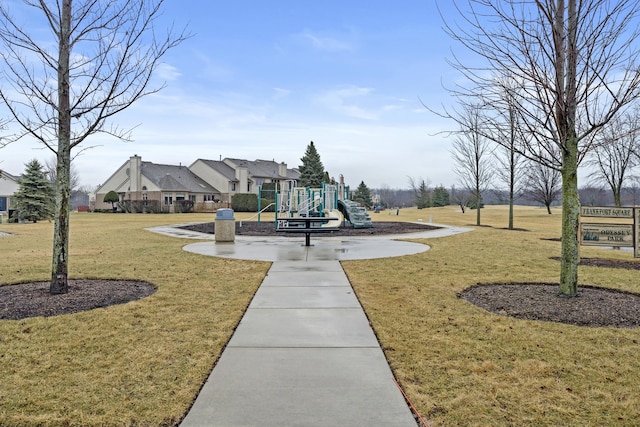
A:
(606, 212)
(613, 235)
(593, 234)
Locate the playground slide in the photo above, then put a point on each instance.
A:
(335, 218)
(354, 213)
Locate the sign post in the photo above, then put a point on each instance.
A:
(616, 235)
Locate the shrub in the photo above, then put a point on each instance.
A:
(184, 206)
(112, 197)
(140, 206)
(245, 203)
(265, 202)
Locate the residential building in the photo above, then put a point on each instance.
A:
(204, 181)
(233, 176)
(9, 185)
(149, 184)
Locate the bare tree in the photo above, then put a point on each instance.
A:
(422, 191)
(594, 196)
(98, 62)
(616, 153)
(460, 197)
(633, 191)
(472, 155)
(544, 184)
(51, 166)
(396, 197)
(509, 139)
(577, 68)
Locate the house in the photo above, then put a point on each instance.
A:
(9, 185)
(145, 186)
(233, 176)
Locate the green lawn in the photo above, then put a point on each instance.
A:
(142, 363)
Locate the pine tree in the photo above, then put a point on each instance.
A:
(363, 195)
(311, 170)
(35, 196)
(423, 196)
(440, 197)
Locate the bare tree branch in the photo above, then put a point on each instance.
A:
(576, 66)
(473, 156)
(616, 153)
(101, 62)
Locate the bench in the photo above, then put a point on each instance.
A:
(304, 225)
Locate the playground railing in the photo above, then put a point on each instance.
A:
(257, 214)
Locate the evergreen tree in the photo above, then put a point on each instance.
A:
(311, 170)
(423, 196)
(440, 197)
(475, 202)
(35, 196)
(363, 195)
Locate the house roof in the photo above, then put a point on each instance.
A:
(175, 178)
(7, 175)
(222, 168)
(265, 169)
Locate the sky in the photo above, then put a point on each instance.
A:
(261, 79)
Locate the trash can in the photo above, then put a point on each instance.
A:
(225, 225)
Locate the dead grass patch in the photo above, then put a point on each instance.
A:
(464, 366)
(140, 363)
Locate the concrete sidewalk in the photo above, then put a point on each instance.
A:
(303, 355)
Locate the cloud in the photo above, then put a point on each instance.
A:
(358, 102)
(280, 93)
(326, 43)
(167, 72)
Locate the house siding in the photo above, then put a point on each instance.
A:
(8, 187)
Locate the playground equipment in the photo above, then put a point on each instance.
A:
(354, 213)
(311, 210)
(329, 204)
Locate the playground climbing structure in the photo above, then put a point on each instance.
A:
(329, 203)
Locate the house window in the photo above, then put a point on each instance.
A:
(192, 197)
(179, 197)
(233, 186)
(145, 196)
(248, 187)
(208, 198)
(168, 199)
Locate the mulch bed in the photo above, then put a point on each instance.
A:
(33, 299)
(267, 228)
(541, 301)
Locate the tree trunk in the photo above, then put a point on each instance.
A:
(617, 201)
(548, 205)
(477, 207)
(512, 160)
(511, 212)
(570, 218)
(566, 68)
(59, 266)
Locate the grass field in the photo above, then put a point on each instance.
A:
(142, 363)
